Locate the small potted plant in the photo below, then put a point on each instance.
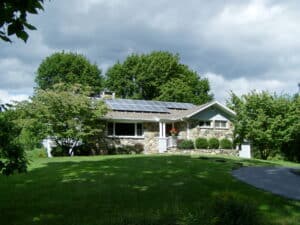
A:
(174, 132)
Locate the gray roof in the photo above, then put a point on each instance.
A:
(130, 105)
(167, 114)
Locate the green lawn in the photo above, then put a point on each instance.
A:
(128, 190)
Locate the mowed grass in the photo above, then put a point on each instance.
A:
(129, 190)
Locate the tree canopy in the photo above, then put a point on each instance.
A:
(12, 157)
(157, 76)
(68, 68)
(13, 17)
(66, 114)
(269, 121)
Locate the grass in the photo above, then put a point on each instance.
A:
(130, 190)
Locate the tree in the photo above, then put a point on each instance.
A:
(264, 119)
(291, 148)
(32, 131)
(68, 68)
(66, 113)
(157, 76)
(13, 17)
(12, 157)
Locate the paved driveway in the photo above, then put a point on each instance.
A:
(277, 180)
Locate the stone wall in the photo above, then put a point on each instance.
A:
(182, 127)
(195, 131)
(119, 142)
(149, 141)
(151, 134)
(229, 152)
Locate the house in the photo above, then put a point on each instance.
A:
(149, 123)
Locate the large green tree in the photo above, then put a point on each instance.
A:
(12, 157)
(158, 75)
(13, 17)
(291, 149)
(68, 68)
(67, 114)
(32, 131)
(267, 120)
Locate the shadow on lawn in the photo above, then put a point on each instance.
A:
(129, 190)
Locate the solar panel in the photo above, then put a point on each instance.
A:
(145, 106)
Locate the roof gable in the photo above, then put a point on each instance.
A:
(209, 105)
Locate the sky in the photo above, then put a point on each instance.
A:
(239, 45)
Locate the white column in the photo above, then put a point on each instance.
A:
(164, 129)
(187, 130)
(162, 137)
(160, 130)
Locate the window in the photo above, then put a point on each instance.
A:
(125, 129)
(205, 124)
(139, 129)
(110, 129)
(220, 124)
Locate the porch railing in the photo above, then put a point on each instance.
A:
(171, 141)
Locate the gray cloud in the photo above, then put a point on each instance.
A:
(237, 41)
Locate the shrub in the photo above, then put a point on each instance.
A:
(139, 148)
(186, 144)
(82, 150)
(111, 150)
(59, 151)
(232, 209)
(36, 153)
(226, 144)
(201, 143)
(126, 149)
(213, 143)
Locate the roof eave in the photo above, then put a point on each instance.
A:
(229, 111)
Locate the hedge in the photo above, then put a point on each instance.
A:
(186, 144)
(226, 144)
(213, 143)
(201, 143)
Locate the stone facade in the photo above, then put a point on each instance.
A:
(195, 131)
(151, 134)
(182, 127)
(119, 142)
(149, 141)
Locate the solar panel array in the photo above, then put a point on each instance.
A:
(145, 106)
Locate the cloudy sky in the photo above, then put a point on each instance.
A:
(238, 45)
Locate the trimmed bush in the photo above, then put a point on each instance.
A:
(213, 143)
(201, 143)
(226, 144)
(185, 144)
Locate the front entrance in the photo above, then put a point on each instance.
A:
(171, 139)
(166, 140)
(169, 126)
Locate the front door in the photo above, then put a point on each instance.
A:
(168, 128)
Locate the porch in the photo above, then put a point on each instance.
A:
(168, 135)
